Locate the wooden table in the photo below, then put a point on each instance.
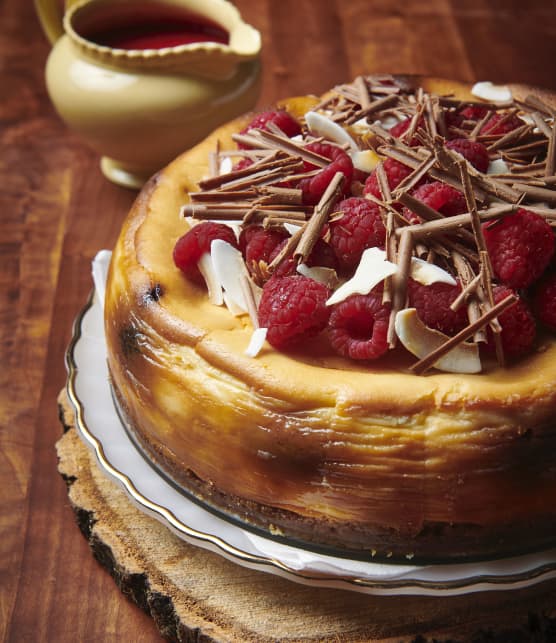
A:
(57, 210)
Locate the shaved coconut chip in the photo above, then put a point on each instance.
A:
(493, 93)
(323, 275)
(360, 127)
(429, 273)
(206, 268)
(324, 126)
(422, 340)
(226, 165)
(372, 269)
(228, 267)
(257, 341)
(498, 166)
(292, 228)
(364, 160)
(231, 305)
(388, 123)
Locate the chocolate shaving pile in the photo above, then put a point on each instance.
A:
(365, 108)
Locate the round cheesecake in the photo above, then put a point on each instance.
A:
(367, 458)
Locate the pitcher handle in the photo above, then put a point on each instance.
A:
(51, 16)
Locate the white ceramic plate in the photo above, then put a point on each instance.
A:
(101, 429)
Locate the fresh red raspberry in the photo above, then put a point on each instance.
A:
(314, 187)
(358, 326)
(440, 197)
(395, 171)
(195, 242)
(293, 308)
(521, 246)
(476, 153)
(518, 326)
(401, 128)
(322, 255)
(242, 164)
(433, 302)
(282, 119)
(259, 244)
(474, 112)
(453, 119)
(544, 301)
(498, 124)
(359, 228)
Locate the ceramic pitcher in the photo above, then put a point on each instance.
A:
(143, 80)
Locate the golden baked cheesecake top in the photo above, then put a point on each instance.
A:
(387, 221)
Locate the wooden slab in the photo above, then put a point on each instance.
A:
(195, 595)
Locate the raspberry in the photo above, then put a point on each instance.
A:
(293, 308)
(359, 228)
(476, 153)
(401, 128)
(195, 242)
(358, 326)
(259, 244)
(544, 301)
(432, 303)
(474, 112)
(520, 246)
(241, 165)
(440, 197)
(282, 119)
(453, 119)
(314, 187)
(395, 171)
(518, 326)
(499, 124)
(322, 254)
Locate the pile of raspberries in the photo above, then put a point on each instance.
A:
(293, 307)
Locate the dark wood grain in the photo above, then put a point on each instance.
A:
(57, 210)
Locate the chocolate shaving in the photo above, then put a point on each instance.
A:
(426, 362)
(538, 104)
(247, 287)
(399, 282)
(510, 137)
(541, 124)
(539, 194)
(265, 164)
(313, 229)
(466, 276)
(468, 290)
(551, 153)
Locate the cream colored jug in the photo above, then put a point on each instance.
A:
(140, 108)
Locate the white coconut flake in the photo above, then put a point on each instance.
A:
(324, 126)
(388, 122)
(498, 166)
(493, 93)
(322, 274)
(429, 273)
(292, 228)
(256, 342)
(206, 268)
(364, 160)
(372, 269)
(226, 165)
(229, 267)
(420, 340)
(231, 305)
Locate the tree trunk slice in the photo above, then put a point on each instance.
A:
(196, 595)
